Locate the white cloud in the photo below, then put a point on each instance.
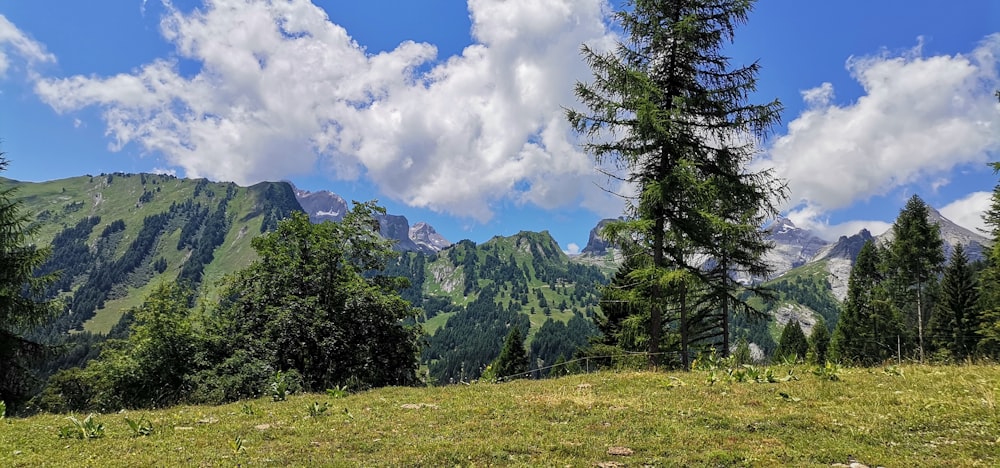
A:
(14, 41)
(572, 249)
(919, 118)
(282, 90)
(162, 171)
(813, 219)
(968, 211)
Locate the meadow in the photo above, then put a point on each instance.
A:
(908, 415)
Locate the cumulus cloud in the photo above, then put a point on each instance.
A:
(968, 211)
(919, 117)
(572, 249)
(282, 91)
(813, 219)
(14, 44)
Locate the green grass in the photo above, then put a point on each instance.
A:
(927, 416)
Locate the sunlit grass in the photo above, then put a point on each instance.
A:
(918, 416)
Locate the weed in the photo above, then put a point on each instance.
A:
(830, 371)
(339, 391)
(249, 409)
(86, 429)
(141, 428)
(316, 409)
(893, 370)
(236, 445)
(280, 386)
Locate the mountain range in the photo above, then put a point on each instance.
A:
(328, 206)
(114, 236)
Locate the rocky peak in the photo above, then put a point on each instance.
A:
(952, 234)
(793, 246)
(397, 228)
(427, 239)
(846, 248)
(596, 245)
(321, 206)
(328, 206)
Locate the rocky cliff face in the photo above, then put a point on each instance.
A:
(321, 206)
(427, 239)
(793, 246)
(596, 245)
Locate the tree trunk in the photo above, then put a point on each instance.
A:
(920, 323)
(725, 307)
(655, 319)
(683, 327)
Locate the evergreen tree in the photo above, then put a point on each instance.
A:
(868, 321)
(916, 257)
(513, 359)
(22, 297)
(687, 136)
(793, 343)
(955, 320)
(819, 343)
(989, 327)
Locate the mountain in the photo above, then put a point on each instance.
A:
(952, 235)
(427, 239)
(793, 246)
(838, 260)
(322, 205)
(328, 206)
(597, 245)
(114, 236)
(471, 295)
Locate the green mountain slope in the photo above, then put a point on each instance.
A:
(473, 294)
(115, 235)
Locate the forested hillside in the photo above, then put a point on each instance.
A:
(471, 296)
(115, 236)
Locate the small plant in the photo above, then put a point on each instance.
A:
(141, 428)
(86, 429)
(830, 371)
(236, 445)
(339, 391)
(3, 409)
(279, 386)
(893, 370)
(316, 409)
(249, 409)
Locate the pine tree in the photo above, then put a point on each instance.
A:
(868, 323)
(513, 359)
(955, 320)
(687, 135)
(793, 344)
(22, 303)
(989, 327)
(819, 343)
(916, 257)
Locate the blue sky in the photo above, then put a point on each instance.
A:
(451, 112)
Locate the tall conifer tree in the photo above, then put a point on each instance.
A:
(669, 112)
(868, 325)
(916, 257)
(989, 327)
(956, 316)
(22, 303)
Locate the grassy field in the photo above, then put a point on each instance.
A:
(906, 416)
